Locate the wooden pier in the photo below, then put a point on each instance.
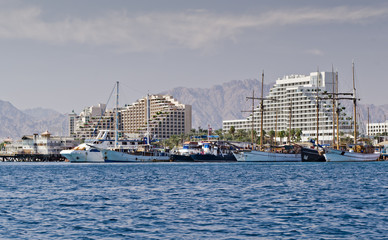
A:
(22, 157)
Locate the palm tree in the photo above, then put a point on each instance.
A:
(298, 134)
(232, 130)
(271, 135)
(282, 134)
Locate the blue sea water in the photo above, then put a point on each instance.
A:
(194, 201)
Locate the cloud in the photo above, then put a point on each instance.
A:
(316, 52)
(192, 29)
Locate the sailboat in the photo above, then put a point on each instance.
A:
(356, 155)
(283, 154)
(144, 153)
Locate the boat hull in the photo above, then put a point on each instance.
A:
(181, 158)
(213, 158)
(259, 156)
(113, 156)
(333, 155)
(82, 156)
(312, 155)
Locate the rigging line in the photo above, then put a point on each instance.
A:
(106, 106)
(132, 88)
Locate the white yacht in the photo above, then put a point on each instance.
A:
(88, 151)
(91, 150)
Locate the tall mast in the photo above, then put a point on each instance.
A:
(148, 119)
(289, 130)
(317, 103)
(354, 107)
(368, 124)
(338, 113)
(333, 92)
(262, 111)
(253, 117)
(276, 126)
(117, 114)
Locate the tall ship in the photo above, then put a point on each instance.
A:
(358, 153)
(288, 153)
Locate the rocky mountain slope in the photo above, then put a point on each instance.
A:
(15, 123)
(219, 102)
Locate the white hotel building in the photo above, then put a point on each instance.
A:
(298, 91)
(374, 129)
(166, 117)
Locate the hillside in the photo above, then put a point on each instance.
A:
(15, 123)
(219, 102)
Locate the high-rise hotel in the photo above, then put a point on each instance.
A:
(162, 115)
(298, 93)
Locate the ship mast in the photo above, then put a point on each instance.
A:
(337, 115)
(332, 75)
(117, 115)
(317, 105)
(290, 116)
(148, 119)
(253, 116)
(368, 124)
(354, 107)
(276, 127)
(262, 111)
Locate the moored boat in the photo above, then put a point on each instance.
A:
(214, 151)
(278, 154)
(312, 155)
(150, 155)
(333, 155)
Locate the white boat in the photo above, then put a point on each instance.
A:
(120, 155)
(333, 155)
(262, 156)
(88, 151)
(142, 153)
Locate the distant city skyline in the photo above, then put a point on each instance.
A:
(67, 55)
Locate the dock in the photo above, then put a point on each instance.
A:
(22, 157)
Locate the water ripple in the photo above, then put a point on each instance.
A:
(194, 201)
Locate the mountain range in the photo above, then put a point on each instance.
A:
(210, 106)
(15, 123)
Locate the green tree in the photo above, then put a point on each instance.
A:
(282, 134)
(232, 130)
(271, 135)
(298, 135)
(174, 141)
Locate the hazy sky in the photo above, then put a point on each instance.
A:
(68, 54)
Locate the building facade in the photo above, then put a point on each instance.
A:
(44, 143)
(87, 124)
(374, 129)
(162, 115)
(293, 99)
